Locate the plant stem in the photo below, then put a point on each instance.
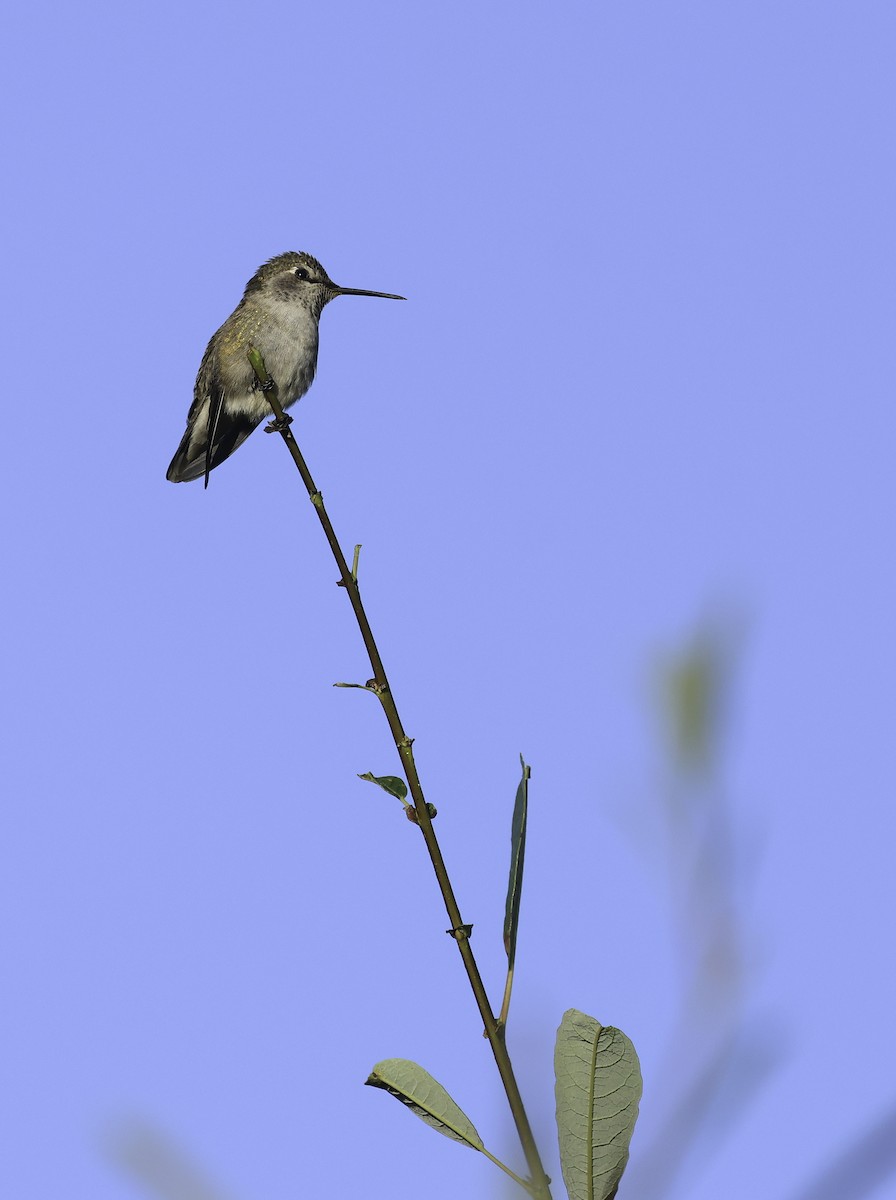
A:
(539, 1185)
(507, 1171)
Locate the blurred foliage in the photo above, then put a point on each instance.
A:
(155, 1161)
(722, 1051)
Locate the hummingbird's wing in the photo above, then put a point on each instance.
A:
(215, 408)
(213, 432)
(211, 436)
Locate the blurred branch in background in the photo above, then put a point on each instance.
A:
(154, 1161)
(718, 1055)
(861, 1168)
(720, 1052)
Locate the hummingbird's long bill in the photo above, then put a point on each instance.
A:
(341, 291)
(279, 314)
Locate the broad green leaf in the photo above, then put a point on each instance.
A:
(426, 1097)
(389, 783)
(598, 1086)
(517, 855)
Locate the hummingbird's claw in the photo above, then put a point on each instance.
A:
(279, 424)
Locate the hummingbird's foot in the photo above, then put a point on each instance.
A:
(278, 425)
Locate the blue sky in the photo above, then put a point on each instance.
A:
(642, 388)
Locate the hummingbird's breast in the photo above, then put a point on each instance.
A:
(291, 338)
(287, 336)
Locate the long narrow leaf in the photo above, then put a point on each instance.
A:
(425, 1097)
(517, 856)
(598, 1086)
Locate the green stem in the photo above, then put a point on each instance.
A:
(524, 1183)
(539, 1185)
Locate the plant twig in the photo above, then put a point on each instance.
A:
(505, 1003)
(539, 1185)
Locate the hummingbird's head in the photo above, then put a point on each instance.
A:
(296, 276)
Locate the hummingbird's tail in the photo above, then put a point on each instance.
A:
(193, 460)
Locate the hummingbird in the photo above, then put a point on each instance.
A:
(279, 314)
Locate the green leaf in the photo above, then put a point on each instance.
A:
(389, 783)
(426, 1097)
(598, 1086)
(517, 855)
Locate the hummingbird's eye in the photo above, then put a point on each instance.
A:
(301, 273)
